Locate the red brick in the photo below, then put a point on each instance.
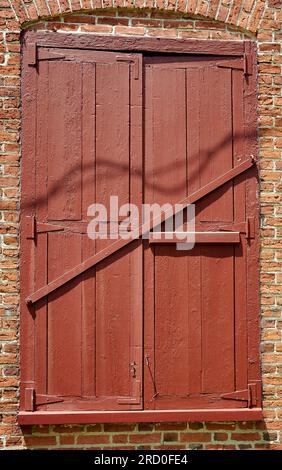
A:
(66, 440)
(171, 426)
(92, 439)
(38, 441)
(80, 19)
(195, 437)
(145, 438)
(136, 30)
(220, 426)
(220, 436)
(119, 427)
(120, 438)
(246, 436)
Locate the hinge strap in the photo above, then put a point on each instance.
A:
(250, 395)
(32, 54)
(33, 227)
(32, 399)
(235, 64)
(247, 227)
(46, 399)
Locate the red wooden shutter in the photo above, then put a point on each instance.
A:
(180, 129)
(199, 350)
(83, 343)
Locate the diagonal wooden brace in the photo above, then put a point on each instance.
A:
(142, 229)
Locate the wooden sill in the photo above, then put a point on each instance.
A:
(83, 417)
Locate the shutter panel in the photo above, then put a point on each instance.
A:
(86, 143)
(89, 121)
(198, 355)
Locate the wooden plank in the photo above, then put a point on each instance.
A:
(103, 254)
(160, 45)
(149, 251)
(118, 310)
(64, 318)
(112, 143)
(217, 319)
(194, 329)
(29, 93)
(167, 134)
(252, 209)
(171, 323)
(112, 275)
(199, 237)
(196, 415)
(64, 203)
(88, 246)
(240, 143)
(64, 179)
(41, 254)
(216, 142)
(136, 268)
(193, 100)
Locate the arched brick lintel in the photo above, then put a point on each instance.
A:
(244, 14)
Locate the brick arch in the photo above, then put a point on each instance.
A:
(244, 14)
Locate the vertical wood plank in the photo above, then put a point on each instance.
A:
(149, 250)
(64, 317)
(194, 326)
(240, 251)
(252, 210)
(41, 258)
(217, 318)
(216, 142)
(88, 246)
(171, 321)
(112, 131)
(64, 203)
(29, 92)
(168, 135)
(64, 142)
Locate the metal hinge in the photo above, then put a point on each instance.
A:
(32, 399)
(33, 227)
(136, 64)
(247, 227)
(236, 64)
(250, 395)
(32, 54)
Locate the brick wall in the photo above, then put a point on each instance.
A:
(220, 19)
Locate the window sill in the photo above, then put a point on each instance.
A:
(83, 417)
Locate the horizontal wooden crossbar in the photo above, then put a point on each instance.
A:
(197, 237)
(142, 230)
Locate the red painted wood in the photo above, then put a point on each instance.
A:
(198, 237)
(94, 126)
(79, 353)
(181, 46)
(29, 94)
(72, 417)
(252, 210)
(142, 229)
(196, 332)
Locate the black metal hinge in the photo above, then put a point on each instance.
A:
(236, 64)
(32, 399)
(251, 395)
(32, 54)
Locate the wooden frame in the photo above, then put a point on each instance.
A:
(177, 46)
